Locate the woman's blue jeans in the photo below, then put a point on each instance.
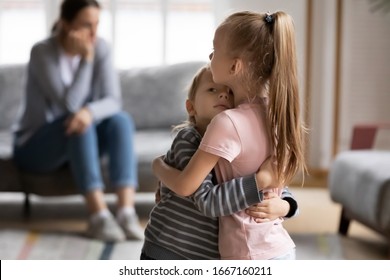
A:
(49, 149)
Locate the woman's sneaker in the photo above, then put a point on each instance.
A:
(130, 225)
(105, 229)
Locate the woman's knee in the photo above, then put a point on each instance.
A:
(121, 120)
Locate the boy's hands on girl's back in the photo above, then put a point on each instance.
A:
(271, 208)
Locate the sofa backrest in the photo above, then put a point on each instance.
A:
(153, 96)
(12, 78)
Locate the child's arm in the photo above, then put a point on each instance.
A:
(185, 182)
(238, 194)
(224, 199)
(183, 148)
(215, 200)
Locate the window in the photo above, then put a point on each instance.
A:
(22, 23)
(190, 30)
(141, 32)
(152, 32)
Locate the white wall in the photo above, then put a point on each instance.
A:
(52, 13)
(365, 87)
(322, 83)
(364, 91)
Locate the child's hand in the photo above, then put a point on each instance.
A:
(266, 176)
(271, 208)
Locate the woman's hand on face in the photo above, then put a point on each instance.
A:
(78, 42)
(271, 208)
(79, 122)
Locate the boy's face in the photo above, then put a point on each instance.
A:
(210, 99)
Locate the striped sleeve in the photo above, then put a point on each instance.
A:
(288, 196)
(233, 196)
(226, 198)
(182, 149)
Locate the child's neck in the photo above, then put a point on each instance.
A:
(201, 129)
(242, 95)
(201, 124)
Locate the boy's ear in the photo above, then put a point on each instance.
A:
(236, 66)
(190, 108)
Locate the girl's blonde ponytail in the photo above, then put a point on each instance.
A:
(283, 107)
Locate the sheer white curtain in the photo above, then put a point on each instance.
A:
(21, 24)
(154, 32)
(141, 32)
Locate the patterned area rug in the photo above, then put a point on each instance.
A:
(318, 247)
(19, 244)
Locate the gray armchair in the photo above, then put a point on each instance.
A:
(359, 179)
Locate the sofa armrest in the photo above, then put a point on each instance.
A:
(363, 136)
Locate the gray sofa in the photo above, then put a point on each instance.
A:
(359, 179)
(153, 96)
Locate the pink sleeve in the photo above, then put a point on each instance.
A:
(221, 138)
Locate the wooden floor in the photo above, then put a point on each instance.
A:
(319, 214)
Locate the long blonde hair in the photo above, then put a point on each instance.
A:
(266, 45)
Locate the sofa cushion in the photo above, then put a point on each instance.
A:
(155, 96)
(5, 143)
(360, 181)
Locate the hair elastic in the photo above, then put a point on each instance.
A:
(268, 18)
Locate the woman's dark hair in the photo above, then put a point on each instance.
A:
(70, 9)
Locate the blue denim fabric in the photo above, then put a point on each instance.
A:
(49, 149)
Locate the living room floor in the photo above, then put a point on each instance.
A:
(318, 215)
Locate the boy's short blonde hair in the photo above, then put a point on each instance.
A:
(191, 95)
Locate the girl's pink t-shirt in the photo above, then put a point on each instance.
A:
(239, 137)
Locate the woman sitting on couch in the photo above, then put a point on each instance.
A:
(73, 116)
